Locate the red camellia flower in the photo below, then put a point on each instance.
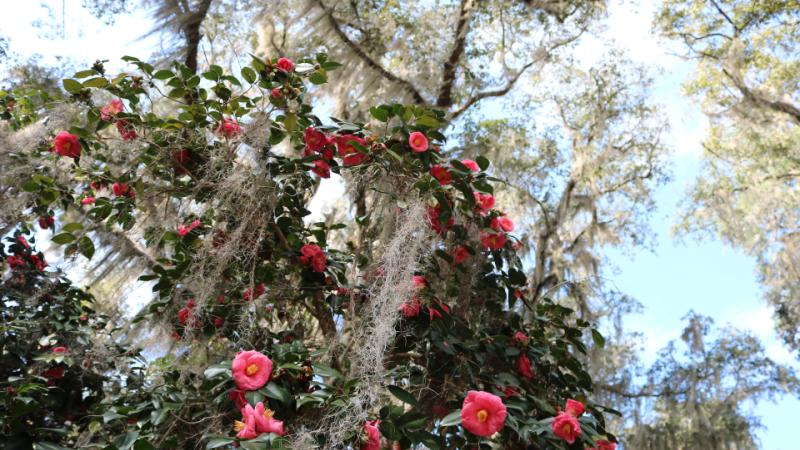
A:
(524, 367)
(314, 257)
(53, 374)
(60, 349)
(483, 414)
(251, 370)
(88, 201)
(46, 222)
(122, 190)
(460, 254)
(285, 64)
(410, 308)
(432, 216)
(493, 241)
(38, 262)
(485, 202)
(248, 293)
(322, 168)
(566, 427)
(574, 408)
(471, 165)
(237, 397)
(502, 223)
(434, 313)
(315, 139)
(126, 130)
(418, 142)
(373, 436)
(67, 145)
(520, 338)
(15, 262)
(510, 391)
(23, 242)
(348, 152)
(183, 314)
(229, 128)
(602, 444)
(419, 281)
(276, 93)
(111, 109)
(441, 174)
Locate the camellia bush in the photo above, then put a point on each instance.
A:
(407, 326)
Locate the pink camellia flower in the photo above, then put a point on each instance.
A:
(434, 313)
(419, 281)
(524, 367)
(574, 408)
(510, 391)
(248, 293)
(314, 139)
(183, 314)
(348, 152)
(602, 444)
(183, 230)
(60, 349)
(373, 436)
(471, 165)
(485, 202)
(122, 190)
(432, 216)
(276, 93)
(483, 414)
(218, 321)
(460, 254)
(410, 308)
(322, 168)
(88, 201)
(126, 130)
(285, 64)
(23, 242)
(265, 423)
(493, 241)
(237, 397)
(566, 427)
(251, 370)
(418, 142)
(67, 145)
(520, 338)
(46, 222)
(502, 223)
(15, 262)
(39, 262)
(246, 428)
(313, 256)
(229, 128)
(111, 109)
(441, 174)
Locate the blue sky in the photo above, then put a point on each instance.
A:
(708, 277)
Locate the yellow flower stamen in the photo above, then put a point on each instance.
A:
(251, 370)
(238, 426)
(268, 413)
(483, 415)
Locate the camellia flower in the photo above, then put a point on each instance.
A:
(39, 262)
(434, 313)
(373, 436)
(410, 308)
(482, 413)
(460, 254)
(313, 256)
(88, 201)
(471, 165)
(574, 408)
(502, 223)
(419, 281)
(510, 391)
(566, 427)
(418, 142)
(60, 349)
(493, 241)
(246, 428)
(285, 64)
(126, 130)
(524, 367)
(67, 145)
(485, 202)
(520, 338)
(54, 373)
(348, 152)
(122, 190)
(23, 242)
(314, 139)
(183, 230)
(111, 109)
(46, 222)
(15, 262)
(248, 293)
(218, 321)
(229, 128)
(251, 370)
(322, 168)
(432, 215)
(237, 397)
(276, 93)
(263, 420)
(602, 444)
(441, 174)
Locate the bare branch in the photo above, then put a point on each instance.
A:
(777, 106)
(445, 98)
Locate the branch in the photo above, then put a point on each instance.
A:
(491, 93)
(193, 35)
(777, 106)
(361, 53)
(449, 72)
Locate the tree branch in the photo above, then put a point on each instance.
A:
(362, 54)
(777, 106)
(191, 29)
(491, 93)
(445, 98)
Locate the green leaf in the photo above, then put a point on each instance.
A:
(454, 418)
(428, 121)
(97, 82)
(63, 238)
(276, 392)
(47, 446)
(72, 227)
(218, 442)
(72, 86)
(217, 370)
(248, 74)
(85, 73)
(598, 338)
(86, 247)
(330, 65)
(483, 163)
(304, 68)
(403, 395)
(163, 74)
(126, 442)
(318, 77)
(379, 113)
